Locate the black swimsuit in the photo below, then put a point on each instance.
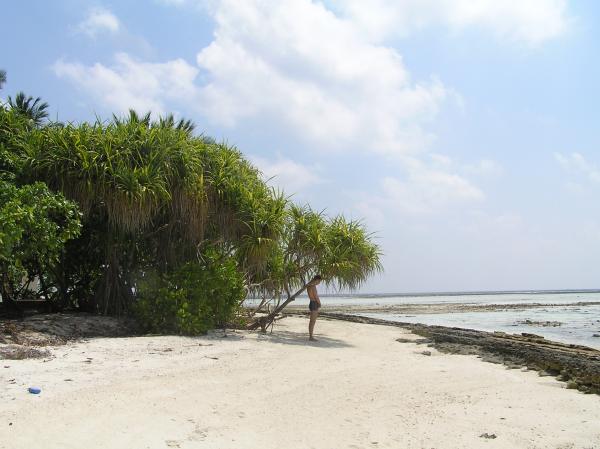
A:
(313, 305)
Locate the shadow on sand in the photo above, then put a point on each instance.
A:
(301, 339)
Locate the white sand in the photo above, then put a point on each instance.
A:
(356, 388)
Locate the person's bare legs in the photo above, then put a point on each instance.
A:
(311, 324)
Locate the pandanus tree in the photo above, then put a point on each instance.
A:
(35, 110)
(153, 196)
(13, 130)
(341, 251)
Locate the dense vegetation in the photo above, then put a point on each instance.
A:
(142, 216)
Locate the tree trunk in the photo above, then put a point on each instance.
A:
(113, 295)
(8, 302)
(264, 321)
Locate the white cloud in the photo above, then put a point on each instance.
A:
(577, 165)
(294, 65)
(99, 20)
(298, 68)
(423, 191)
(286, 174)
(429, 191)
(133, 84)
(297, 65)
(529, 21)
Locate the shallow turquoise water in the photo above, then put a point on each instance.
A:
(457, 298)
(579, 323)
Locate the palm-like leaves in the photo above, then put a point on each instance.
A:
(182, 124)
(34, 109)
(162, 191)
(154, 195)
(341, 251)
(351, 257)
(2, 78)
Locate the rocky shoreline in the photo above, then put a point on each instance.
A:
(578, 366)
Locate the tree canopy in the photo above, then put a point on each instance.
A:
(33, 109)
(339, 250)
(35, 224)
(154, 198)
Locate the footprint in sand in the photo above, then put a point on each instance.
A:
(198, 434)
(173, 443)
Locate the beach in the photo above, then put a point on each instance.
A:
(357, 387)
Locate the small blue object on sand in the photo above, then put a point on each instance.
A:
(34, 390)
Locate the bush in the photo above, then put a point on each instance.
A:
(35, 224)
(191, 300)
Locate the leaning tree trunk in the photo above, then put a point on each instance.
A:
(264, 321)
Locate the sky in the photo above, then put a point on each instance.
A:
(463, 133)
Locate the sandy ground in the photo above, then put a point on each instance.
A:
(354, 388)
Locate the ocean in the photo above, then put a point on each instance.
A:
(565, 316)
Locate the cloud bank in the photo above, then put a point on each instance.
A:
(130, 83)
(323, 74)
(531, 22)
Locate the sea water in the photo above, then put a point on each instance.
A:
(578, 323)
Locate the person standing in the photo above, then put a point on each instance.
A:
(314, 305)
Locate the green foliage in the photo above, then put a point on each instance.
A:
(153, 194)
(35, 224)
(34, 110)
(153, 197)
(80, 270)
(13, 131)
(350, 256)
(340, 251)
(193, 298)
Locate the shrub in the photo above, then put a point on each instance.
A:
(193, 299)
(35, 224)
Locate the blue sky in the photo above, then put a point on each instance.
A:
(463, 132)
